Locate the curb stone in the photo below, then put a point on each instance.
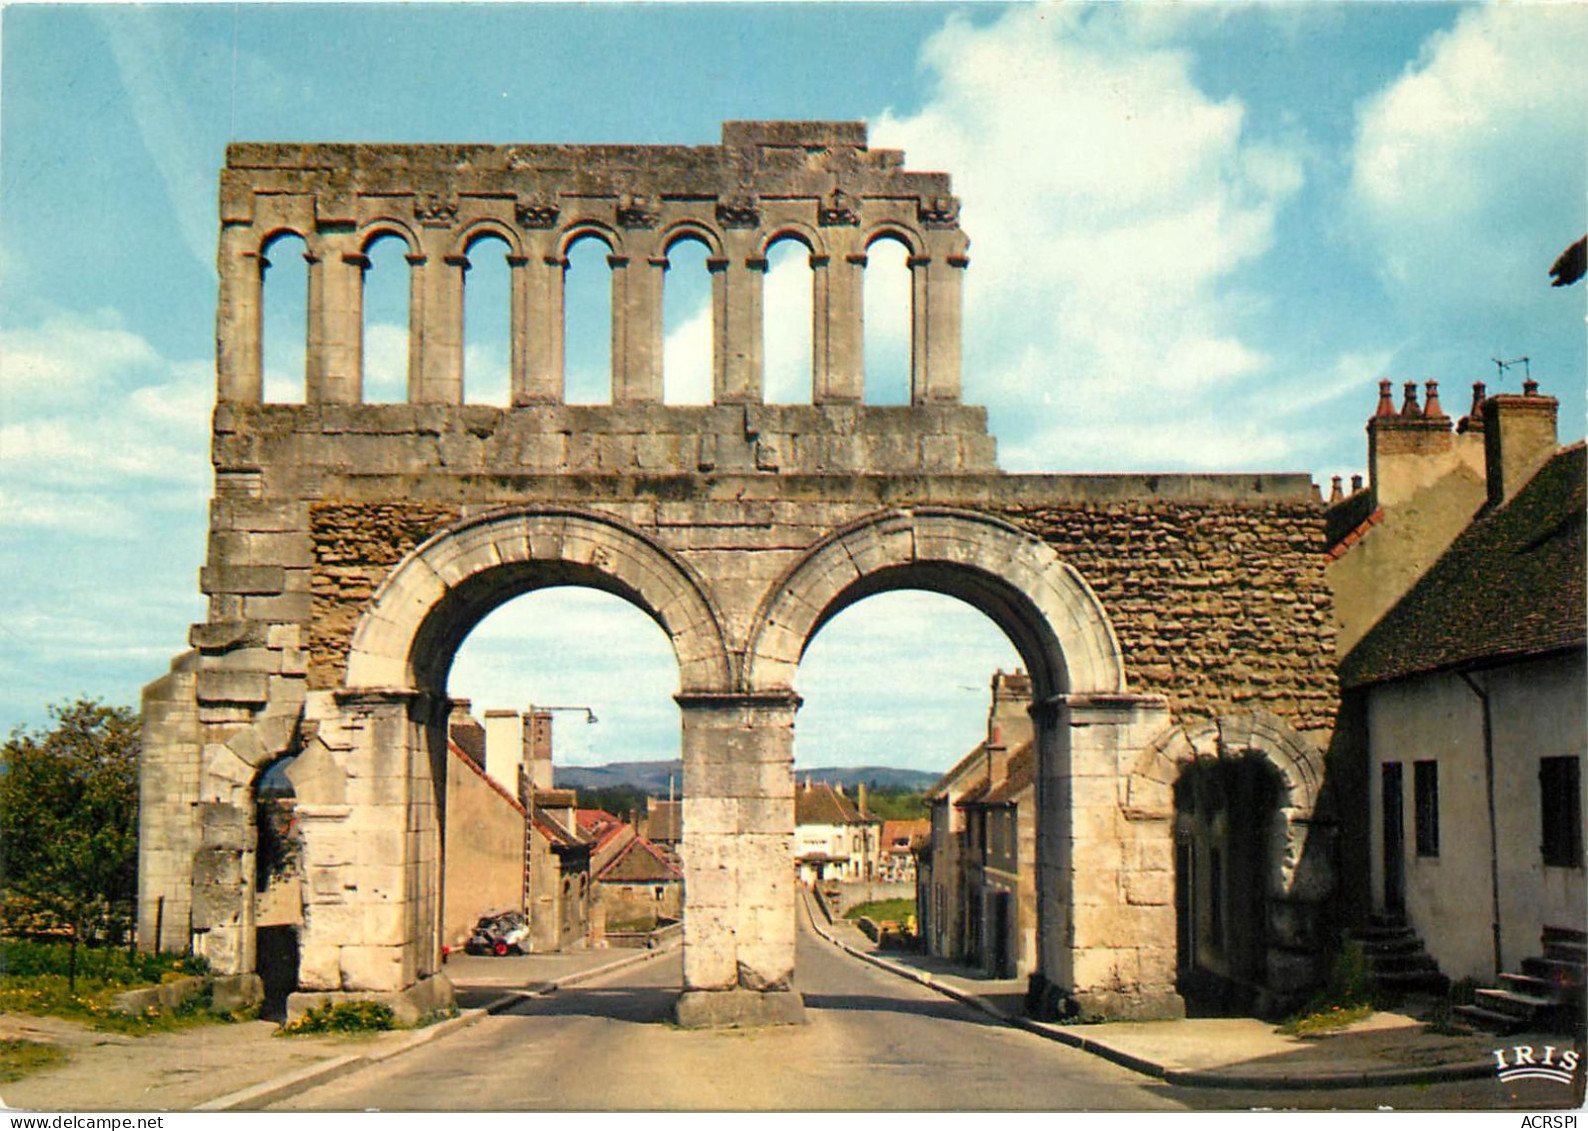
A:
(269, 1091)
(1182, 1077)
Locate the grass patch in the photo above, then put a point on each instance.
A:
(33, 980)
(343, 1017)
(18, 1058)
(1326, 1020)
(882, 910)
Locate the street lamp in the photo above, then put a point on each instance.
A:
(589, 715)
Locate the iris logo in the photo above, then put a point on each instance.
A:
(1522, 1065)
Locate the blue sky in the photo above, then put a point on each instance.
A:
(1200, 234)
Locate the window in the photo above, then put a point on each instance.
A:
(1560, 793)
(1425, 783)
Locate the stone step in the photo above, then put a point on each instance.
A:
(1398, 944)
(1567, 951)
(1520, 1005)
(1556, 970)
(1425, 981)
(1534, 987)
(1401, 961)
(1565, 934)
(1488, 1020)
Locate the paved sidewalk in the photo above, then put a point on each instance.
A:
(224, 1067)
(1229, 1052)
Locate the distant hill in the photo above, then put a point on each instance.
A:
(651, 777)
(885, 777)
(648, 777)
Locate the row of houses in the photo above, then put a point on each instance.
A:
(1458, 576)
(836, 838)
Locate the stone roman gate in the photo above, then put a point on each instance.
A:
(1166, 620)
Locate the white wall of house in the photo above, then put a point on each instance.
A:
(1537, 710)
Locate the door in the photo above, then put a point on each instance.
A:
(1390, 796)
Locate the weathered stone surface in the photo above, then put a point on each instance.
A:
(739, 1009)
(354, 546)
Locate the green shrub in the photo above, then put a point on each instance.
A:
(1346, 998)
(344, 1017)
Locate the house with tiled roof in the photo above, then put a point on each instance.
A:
(483, 847)
(637, 886)
(834, 837)
(896, 853)
(1474, 693)
(976, 873)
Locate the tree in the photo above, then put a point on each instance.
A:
(69, 815)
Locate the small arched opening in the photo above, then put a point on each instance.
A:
(888, 315)
(487, 320)
(284, 317)
(788, 327)
(587, 319)
(387, 300)
(689, 321)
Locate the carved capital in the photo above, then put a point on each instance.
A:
(436, 210)
(938, 211)
(636, 210)
(537, 212)
(739, 212)
(838, 209)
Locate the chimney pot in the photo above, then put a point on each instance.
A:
(1409, 406)
(1356, 484)
(1530, 388)
(1431, 405)
(1335, 492)
(1386, 402)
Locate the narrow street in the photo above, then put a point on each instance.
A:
(874, 1042)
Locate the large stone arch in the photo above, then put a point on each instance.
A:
(435, 596)
(1045, 607)
(1105, 915)
(1298, 839)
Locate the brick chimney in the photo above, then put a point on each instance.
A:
(1009, 724)
(1518, 438)
(1409, 450)
(537, 748)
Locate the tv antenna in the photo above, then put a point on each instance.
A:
(1502, 366)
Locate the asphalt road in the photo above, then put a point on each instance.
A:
(874, 1042)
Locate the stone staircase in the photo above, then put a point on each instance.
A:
(1397, 962)
(1547, 995)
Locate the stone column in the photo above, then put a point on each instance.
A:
(518, 331)
(1105, 852)
(843, 311)
(439, 379)
(636, 329)
(937, 318)
(738, 859)
(238, 327)
(368, 807)
(336, 283)
(543, 283)
(740, 329)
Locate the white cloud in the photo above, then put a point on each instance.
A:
(1469, 172)
(686, 360)
(1110, 202)
(120, 418)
